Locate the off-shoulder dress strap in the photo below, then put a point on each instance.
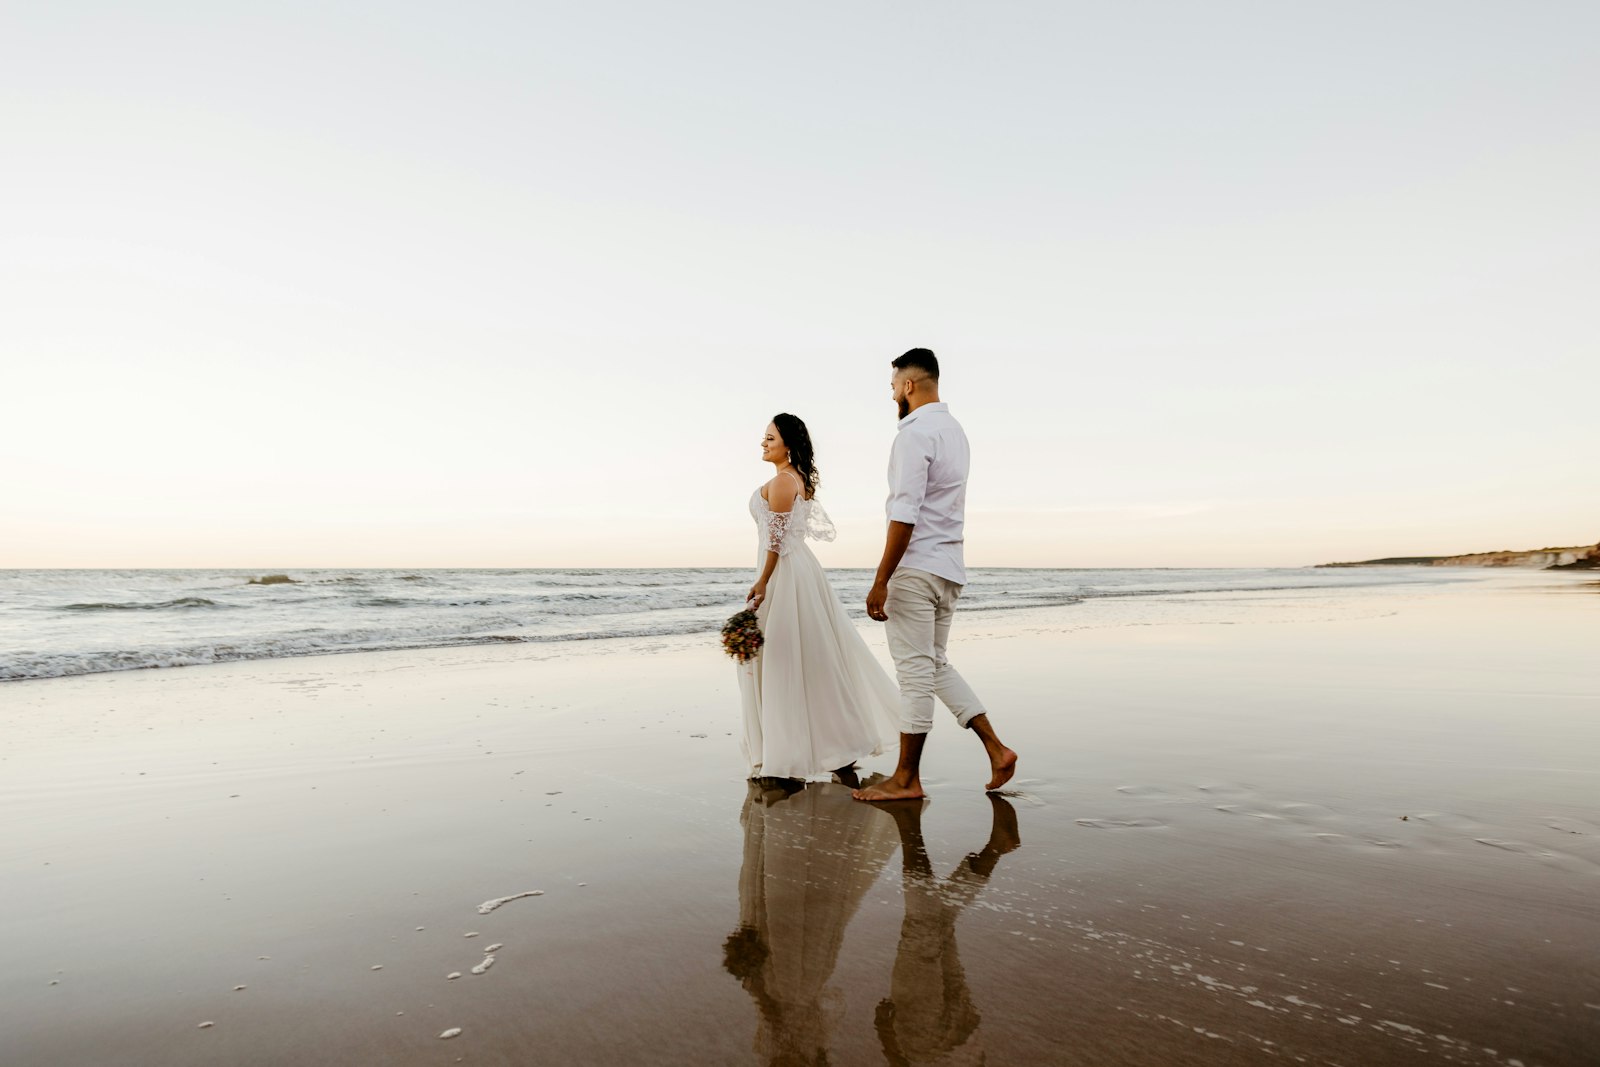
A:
(799, 479)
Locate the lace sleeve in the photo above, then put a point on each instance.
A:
(819, 527)
(777, 532)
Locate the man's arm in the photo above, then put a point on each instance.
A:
(908, 485)
(894, 549)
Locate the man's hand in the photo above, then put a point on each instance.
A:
(877, 597)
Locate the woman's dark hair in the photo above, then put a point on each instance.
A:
(798, 441)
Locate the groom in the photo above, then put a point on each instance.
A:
(922, 573)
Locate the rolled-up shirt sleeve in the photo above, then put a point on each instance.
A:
(908, 477)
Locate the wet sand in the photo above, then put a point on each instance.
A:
(1359, 828)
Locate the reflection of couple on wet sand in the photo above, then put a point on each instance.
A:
(814, 698)
(810, 855)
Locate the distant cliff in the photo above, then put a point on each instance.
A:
(1577, 557)
(1588, 559)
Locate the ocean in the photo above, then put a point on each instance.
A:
(56, 623)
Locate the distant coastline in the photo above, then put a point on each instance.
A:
(1574, 557)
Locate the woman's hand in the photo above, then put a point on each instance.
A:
(757, 594)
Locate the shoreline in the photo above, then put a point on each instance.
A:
(979, 602)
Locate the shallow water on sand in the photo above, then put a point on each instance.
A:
(1353, 828)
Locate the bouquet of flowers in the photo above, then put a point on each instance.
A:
(741, 636)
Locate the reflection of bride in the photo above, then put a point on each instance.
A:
(810, 855)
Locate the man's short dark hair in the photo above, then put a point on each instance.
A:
(921, 359)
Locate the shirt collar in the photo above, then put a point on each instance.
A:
(937, 405)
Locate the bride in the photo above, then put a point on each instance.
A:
(815, 700)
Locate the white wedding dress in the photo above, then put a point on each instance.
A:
(815, 699)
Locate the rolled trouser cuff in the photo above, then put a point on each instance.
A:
(916, 712)
(954, 692)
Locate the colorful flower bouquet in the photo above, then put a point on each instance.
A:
(741, 636)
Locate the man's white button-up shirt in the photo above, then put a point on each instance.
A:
(928, 489)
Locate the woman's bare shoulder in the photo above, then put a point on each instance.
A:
(781, 491)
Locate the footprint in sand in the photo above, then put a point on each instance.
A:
(1239, 809)
(1299, 811)
(1564, 861)
(1154, 792)
(1448, 821)
(1292, 811)
(1225, 789)
(1328, 838)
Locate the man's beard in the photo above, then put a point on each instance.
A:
(904, 406)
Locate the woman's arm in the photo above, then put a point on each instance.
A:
(780, 501)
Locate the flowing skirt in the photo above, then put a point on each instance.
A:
(814, 698)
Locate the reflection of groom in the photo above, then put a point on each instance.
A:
(921, 575)
(929, 1016)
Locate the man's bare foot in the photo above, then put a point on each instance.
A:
(889, 789)
(1004, 765)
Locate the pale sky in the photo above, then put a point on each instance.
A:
(518, 284)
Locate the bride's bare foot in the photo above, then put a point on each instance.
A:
(848, 776)
(890, 789)
(1004, 765)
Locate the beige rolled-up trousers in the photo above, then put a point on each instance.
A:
(920, 608)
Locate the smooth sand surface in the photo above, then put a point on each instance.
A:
(1352, 828)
